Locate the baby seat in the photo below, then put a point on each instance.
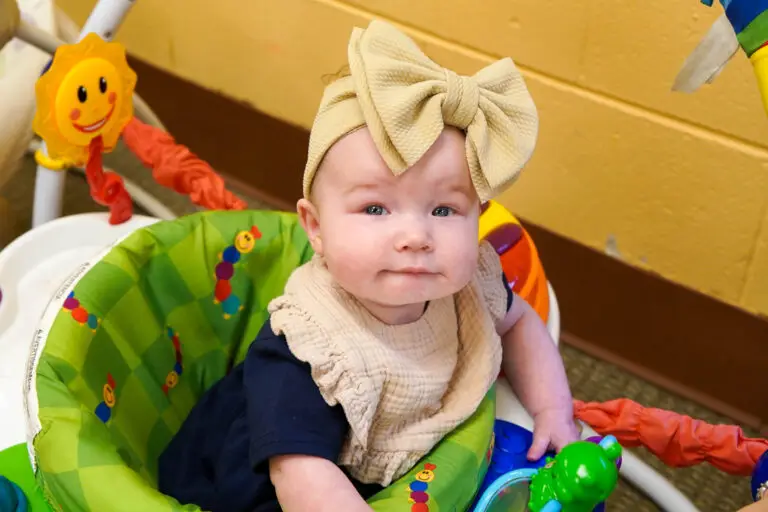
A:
(132, 340)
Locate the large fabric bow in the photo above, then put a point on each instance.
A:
(406, 100)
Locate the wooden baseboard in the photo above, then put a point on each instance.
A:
(687, 342)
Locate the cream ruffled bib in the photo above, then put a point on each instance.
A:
(402, 387)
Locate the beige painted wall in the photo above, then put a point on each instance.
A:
(673, 183)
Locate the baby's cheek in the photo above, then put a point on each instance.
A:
(349, 262)
(464, 261)
(352, 273)
(358, 243)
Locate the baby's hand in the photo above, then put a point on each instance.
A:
(552, 429)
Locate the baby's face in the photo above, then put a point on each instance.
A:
(397, 242)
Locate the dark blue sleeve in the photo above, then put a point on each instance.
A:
(510, 293)
(285, 411)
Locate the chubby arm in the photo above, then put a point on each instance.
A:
(313, 484)
(534, 369)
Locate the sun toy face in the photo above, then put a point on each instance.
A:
(425, 475)
(172, 379)
(109, 395)
(244, 242)
(84, 94)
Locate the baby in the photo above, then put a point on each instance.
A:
(391, 336)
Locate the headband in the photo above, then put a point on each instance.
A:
(406, 100)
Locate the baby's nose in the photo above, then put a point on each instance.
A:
(414, 238)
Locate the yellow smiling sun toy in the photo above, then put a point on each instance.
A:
(84, 101)
(85, 105)
(86, 93)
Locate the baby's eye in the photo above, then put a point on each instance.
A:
(442, 211)
(375, 209)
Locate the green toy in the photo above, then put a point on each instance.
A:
(577, 479)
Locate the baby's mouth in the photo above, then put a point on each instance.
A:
(413, 271)
(90, 128)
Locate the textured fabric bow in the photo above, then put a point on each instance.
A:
(406, 100)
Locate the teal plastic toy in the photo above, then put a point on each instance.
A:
(12, 499)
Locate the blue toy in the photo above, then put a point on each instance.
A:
(760, 477)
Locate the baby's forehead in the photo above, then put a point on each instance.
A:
(354, 163)
(346, 180)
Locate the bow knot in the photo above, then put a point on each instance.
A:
(462, 98)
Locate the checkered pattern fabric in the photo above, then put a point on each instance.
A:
(158, 320)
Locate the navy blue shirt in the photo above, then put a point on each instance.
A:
(266, 406)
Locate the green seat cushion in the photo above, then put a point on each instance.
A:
(140, 337)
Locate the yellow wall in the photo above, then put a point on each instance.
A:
(672, 183)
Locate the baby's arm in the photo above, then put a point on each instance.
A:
(304, 483)
(534, 369)
(758, 506)
(293, 432)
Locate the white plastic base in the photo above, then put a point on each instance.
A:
(32, 268)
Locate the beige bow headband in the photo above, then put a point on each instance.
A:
(406, 100)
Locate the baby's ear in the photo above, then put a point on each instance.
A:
(310, 221)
